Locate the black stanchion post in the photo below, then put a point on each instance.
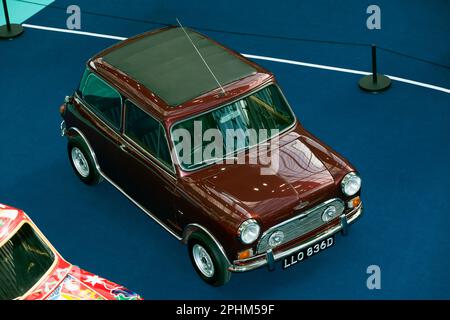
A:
(5, 9)
(9, 30)
(374, 82)
(374, 63)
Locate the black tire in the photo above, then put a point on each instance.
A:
(221, 273)
(91, 176)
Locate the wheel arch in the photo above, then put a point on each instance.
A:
(192, 228)
(75, 132)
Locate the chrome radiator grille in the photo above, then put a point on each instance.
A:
(300, 224)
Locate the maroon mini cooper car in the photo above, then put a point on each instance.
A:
(144, 117)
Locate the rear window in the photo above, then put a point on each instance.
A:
(105, 101)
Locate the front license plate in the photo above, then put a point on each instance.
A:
(299, 256)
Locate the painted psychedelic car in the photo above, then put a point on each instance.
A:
(31, 268)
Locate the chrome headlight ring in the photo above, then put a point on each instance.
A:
(249, 231)
(351, 184)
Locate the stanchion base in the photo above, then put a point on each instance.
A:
(16, 30)
(366, 83)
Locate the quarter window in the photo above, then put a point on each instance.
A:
(147, 132)
(106, 101)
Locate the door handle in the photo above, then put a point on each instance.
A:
(123, 147)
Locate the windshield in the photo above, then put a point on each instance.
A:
(236, 126)
(24, 259)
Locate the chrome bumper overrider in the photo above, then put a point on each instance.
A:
(269, 258)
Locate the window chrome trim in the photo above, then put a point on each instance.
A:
(87, 108)
(171, 173)
(224, 105)
(144, 152)
(151, 215)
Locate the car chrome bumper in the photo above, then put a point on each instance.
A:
(270, 257)
(63, 128)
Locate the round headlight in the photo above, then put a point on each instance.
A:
(276, 238)
(351, 184)
(329, 213)
(249, 231)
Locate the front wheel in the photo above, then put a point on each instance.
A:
(208, 260)
(82, 161)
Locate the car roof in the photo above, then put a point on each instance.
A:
(10, 218)
(169, 65)
(165, 67)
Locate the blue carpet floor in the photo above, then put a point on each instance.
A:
(399, 140)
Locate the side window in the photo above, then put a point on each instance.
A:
(147, 132)
(105, 100)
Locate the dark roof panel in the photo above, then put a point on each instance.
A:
(167, 64)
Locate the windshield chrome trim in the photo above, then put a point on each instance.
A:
(178, 163)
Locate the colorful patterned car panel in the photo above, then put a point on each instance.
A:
(61, 281)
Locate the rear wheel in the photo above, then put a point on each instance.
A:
(207, 260)
(82, 161)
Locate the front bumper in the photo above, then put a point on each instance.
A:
(270, 257)
(63, 128)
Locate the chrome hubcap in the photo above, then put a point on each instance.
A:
(80, 162)
(203, 260)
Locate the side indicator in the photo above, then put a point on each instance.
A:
(353, 203)
(62, 109)
(245, 254)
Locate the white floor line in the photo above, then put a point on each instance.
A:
(319, 66)
(83, 33)
(251, 56)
